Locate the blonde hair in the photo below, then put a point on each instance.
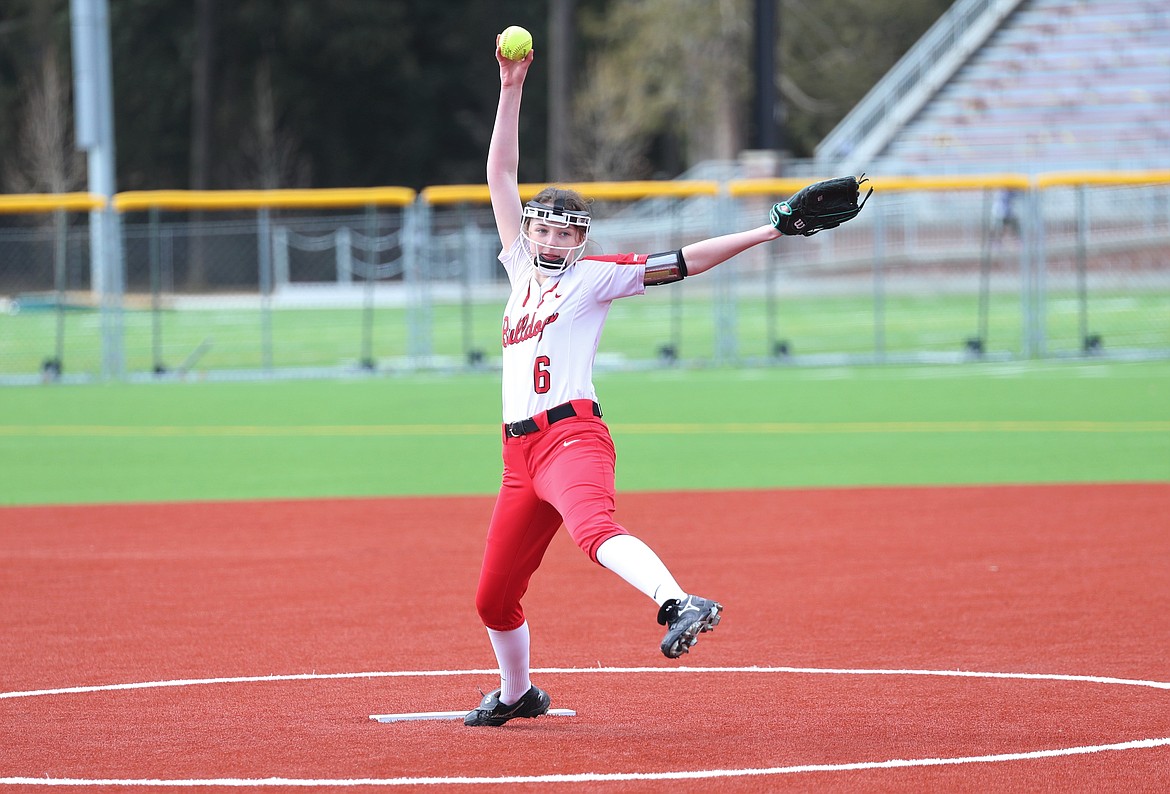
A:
(573, 201)
(570, 200)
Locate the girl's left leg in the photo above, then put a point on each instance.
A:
(634, 561)
(578, 479)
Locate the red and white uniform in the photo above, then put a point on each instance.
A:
(551, 330)
(564, 472)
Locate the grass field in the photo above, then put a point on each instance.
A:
(849, 324)
(675, 430)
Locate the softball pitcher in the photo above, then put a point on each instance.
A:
(558, 454)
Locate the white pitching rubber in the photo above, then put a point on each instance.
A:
(452, 715)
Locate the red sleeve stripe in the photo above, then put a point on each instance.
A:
(621, 259)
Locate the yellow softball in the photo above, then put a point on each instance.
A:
(515, 43)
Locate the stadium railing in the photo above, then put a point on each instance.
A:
(302, 283)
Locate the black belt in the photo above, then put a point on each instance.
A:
(555, 414)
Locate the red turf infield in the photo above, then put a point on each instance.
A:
(1071, 580)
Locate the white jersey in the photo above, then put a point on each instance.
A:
(551, 330)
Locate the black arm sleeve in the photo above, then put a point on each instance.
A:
(665, 268)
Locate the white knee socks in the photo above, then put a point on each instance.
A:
(625, 555)
(637, 563)
(511, 649)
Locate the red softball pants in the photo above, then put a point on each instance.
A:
(563, 473)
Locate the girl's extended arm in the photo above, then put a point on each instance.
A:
(706, 254)
(504, 151)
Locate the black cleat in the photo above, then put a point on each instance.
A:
(685, 620)
(491, 712)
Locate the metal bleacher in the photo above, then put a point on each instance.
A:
(1055, 85)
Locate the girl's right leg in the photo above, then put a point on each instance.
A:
(521, 528)
(511, 648)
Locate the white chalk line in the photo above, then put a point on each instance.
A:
(1090, 679)
(590, 777)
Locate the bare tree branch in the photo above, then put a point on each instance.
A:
(45, 160)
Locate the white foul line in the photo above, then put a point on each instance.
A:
(1090, 679)
(248, 679)
(589, 777)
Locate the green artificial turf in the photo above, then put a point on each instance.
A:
(675, 429)
(232, 338)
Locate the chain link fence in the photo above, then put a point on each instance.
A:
(329, 283)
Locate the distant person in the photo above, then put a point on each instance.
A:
(1003, 214)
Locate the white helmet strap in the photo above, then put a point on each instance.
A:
(557, 215)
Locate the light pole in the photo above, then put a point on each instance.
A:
(94, 122)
